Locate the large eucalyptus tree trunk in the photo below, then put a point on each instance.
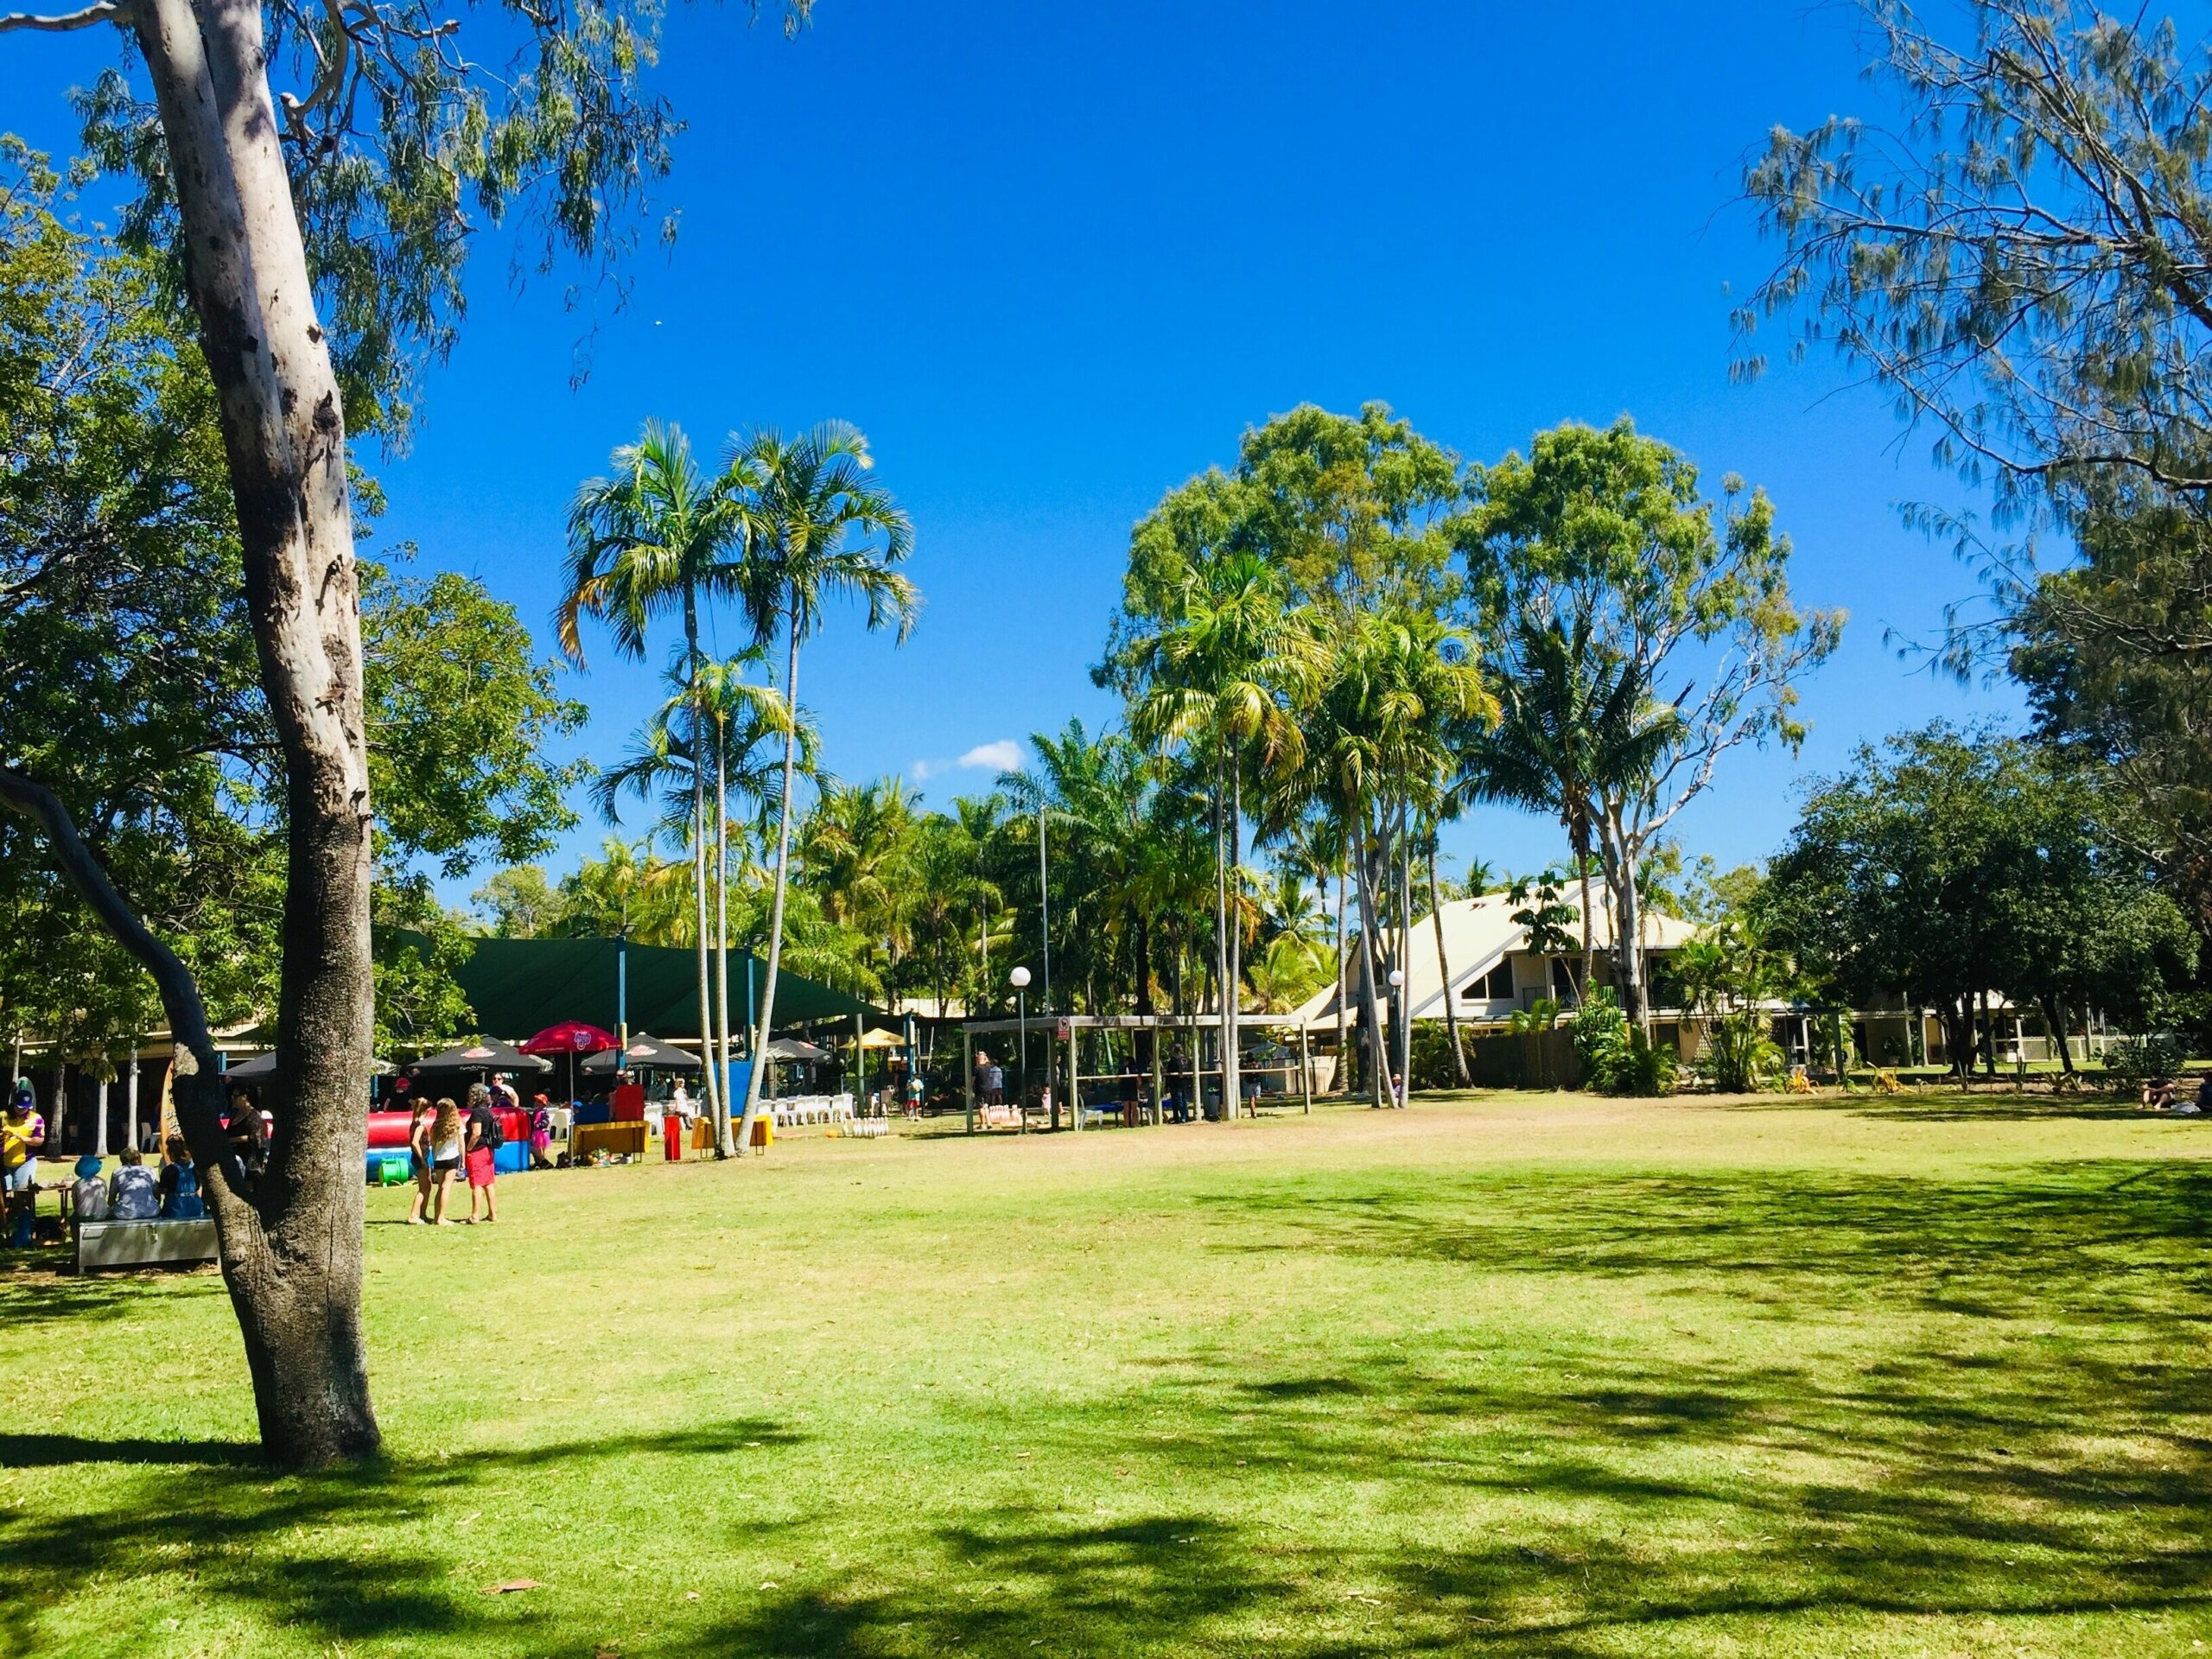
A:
(291, 1249)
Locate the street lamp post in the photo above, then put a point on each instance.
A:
(1020, 980)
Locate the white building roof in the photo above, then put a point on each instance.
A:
(1478, 935)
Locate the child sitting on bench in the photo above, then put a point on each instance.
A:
(133, 1194)
(180, 1199)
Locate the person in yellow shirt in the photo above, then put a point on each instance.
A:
(23, 1135)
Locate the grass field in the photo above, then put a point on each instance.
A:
(1510, 1375)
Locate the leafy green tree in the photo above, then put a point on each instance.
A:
(810, 497)
(519, 903)
(1574, 725)
(319, 237)
(1605, 537)
(1946, 865)
(2022, 266)
(457, 692)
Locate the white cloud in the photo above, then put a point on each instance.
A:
(1001, 756)
(922, 769)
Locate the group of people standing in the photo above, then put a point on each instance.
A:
(444, 1140)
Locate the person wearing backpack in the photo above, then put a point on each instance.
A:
(485, 1139)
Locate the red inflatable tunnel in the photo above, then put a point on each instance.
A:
(388, 1130)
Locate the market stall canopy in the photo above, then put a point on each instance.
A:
(644, 1054)
(879, 1037)
(516, 985)
(262, 1067)
(569, 1037)
(790, 1048)
(486, 1056)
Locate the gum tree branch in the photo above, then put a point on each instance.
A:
(62, 22)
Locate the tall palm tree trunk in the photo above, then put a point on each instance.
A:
(1220, 939)
(1370, 952)
(1343, 1080)
(722, 1145)
(1405, 955)
(1579, 831)
(1444, 969)
(1232, 1076)
(699, 848)
(767, 1020)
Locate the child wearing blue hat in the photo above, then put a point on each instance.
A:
(90, 1194)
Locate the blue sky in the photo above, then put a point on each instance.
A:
(1054, 261)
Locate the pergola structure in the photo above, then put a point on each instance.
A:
(1064, 1037)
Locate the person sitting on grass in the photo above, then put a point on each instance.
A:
(132, 1192)
(2158, 1094)
(180, 1199)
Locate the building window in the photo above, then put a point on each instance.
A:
(1496, 985)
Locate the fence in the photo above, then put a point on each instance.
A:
(1532, 1060)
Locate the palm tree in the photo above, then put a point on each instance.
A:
(950, 891)
(742, 719)
(1577, 726)
(808, 497)
(659, 534)
(857, 852)
(1223, 673)
(1384, 733)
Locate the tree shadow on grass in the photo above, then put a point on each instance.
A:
(1996, 1409)
(1012, 1580)
(2096, 1237)
(207, 1526)
(41, 1290)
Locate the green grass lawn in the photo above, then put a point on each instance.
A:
(1516, 1375)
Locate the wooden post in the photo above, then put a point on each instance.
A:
(1050, 1058)
(1159, 1079)
(968, 1074)
(1075, 1073)
(1305, 1071)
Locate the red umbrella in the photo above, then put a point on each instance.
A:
(571, 1037)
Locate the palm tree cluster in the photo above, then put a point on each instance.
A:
(1324, 655)
(786, 525)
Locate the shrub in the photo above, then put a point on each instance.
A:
(2133, 1061)
(1619, 1058)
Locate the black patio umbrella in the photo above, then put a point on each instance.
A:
(485, 1056)
(262, 1067)
(644, 1054)
(793, 1048)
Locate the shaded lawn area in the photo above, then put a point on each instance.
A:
(1511, 1374)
